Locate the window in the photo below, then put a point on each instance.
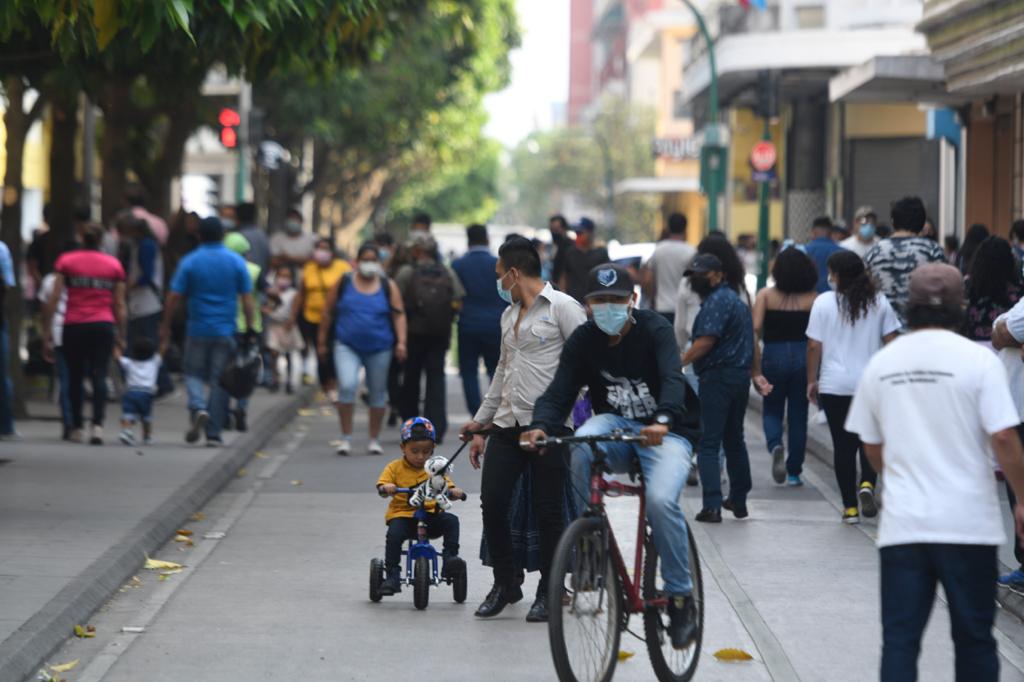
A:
(810, 16)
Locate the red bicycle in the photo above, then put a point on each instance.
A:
(599, 594)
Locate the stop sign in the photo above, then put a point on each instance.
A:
(763, 156)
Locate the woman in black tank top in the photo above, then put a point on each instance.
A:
(780, 315)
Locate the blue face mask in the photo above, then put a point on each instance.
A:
(384, 254)
(506, 294)
(867, 231)
(610, 317)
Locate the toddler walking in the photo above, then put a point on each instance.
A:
(140, 376)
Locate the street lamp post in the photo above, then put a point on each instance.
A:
(713, 152)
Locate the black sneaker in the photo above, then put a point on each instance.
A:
(709, 516)
(738, 509)
(199, 419)
(241, 423)
(868, 503)
(682, 621)
(451, 567)
(779, 464)
(391, 585)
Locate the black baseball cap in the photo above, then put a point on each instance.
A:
(609, 279)
(704, 262)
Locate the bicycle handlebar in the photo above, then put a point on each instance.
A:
(613, 437)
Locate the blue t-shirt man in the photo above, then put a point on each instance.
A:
(211, 278)
(726, 318)
(820, 248)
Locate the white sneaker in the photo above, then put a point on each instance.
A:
(127, 437)
(344, 447)
(96, 437)
(374, 447)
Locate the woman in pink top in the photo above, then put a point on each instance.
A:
(94, 321)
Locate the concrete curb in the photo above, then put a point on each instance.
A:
(24, 652)
(821, 450)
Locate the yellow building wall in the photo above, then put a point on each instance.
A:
(747, 130)
(35, 172)
(885, 120)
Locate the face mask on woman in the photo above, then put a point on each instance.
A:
(369, 268)
(323, 257)
(610, 317)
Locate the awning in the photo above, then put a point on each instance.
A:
(903, 78)
(667, 185)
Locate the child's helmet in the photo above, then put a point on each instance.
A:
(418, 428)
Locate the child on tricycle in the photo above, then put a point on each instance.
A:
(419, 495)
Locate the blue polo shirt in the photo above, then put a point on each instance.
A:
(724, 316)
(819, 250)
(211, 278)
(482, 307)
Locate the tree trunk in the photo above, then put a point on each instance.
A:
(64, 110)
(17, 122)
(182, 120)
(115, 99)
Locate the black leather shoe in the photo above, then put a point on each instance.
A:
(682, 621)
(539, 611)
(498, 598)
(709, 516)
(738, 509)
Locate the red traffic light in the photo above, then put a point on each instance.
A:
(229, 117)
(228, 137)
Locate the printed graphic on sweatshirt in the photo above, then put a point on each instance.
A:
(631, 398)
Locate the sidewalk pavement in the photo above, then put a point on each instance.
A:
(819, 445)
(76, 521)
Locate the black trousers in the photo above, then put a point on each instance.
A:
(504, 462)
(402, 528)
(426, 356)
(87, 348)
(845, 446)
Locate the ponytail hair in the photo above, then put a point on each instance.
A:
(855, 290)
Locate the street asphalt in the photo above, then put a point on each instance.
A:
(275, 586)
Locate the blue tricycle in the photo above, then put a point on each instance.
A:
(421, 565)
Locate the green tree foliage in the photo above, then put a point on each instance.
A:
(548, 166)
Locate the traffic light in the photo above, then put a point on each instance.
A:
(229, 121)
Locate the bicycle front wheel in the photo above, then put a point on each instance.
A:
(670, 664)
(584, 605)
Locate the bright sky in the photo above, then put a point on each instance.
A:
(540, 73)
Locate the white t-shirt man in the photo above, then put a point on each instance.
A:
(294, 247)
(859, 247)
(669, 261)
(933, 400)
(847, 347)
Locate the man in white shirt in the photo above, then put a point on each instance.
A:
(863, 237)
(533, 330)
(664, 270)
(931, 408)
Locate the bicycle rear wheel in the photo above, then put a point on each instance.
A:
(583, 628)
(670, 664)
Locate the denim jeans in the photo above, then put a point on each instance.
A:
(472, 347)
(784, 364)
(968, 577)
(664, 468)
(724, 393)
(6, 388)
(347, 362)
(203, 362)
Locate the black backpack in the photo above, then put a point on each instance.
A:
(429, 300)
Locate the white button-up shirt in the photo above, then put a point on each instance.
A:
(529, 357)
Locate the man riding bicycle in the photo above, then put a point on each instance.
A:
(630, 361)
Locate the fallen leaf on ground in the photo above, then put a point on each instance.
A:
(198, 516)
(158, 565)
(296, 482)
(184, 531)
(162, 578)
(626, 655)
(259, 454)
(307, 412)
(183, 538)
(64, 667)
(172, 571)
(733, 655)
(242, 472)
(85, 632)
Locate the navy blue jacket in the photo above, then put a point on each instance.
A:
(482, 307)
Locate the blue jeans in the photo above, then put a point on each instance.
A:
(724, 393)
(6, 388)
(968, 576)
(665, 468)
(347, 362)
(203, 362)
(473, 346)
(784, 364)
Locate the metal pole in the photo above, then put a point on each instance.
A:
(762, 221)
(713, 190)
(244, 110)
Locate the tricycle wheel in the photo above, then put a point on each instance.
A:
(376, 578)
(421, 583)
(459, 582)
